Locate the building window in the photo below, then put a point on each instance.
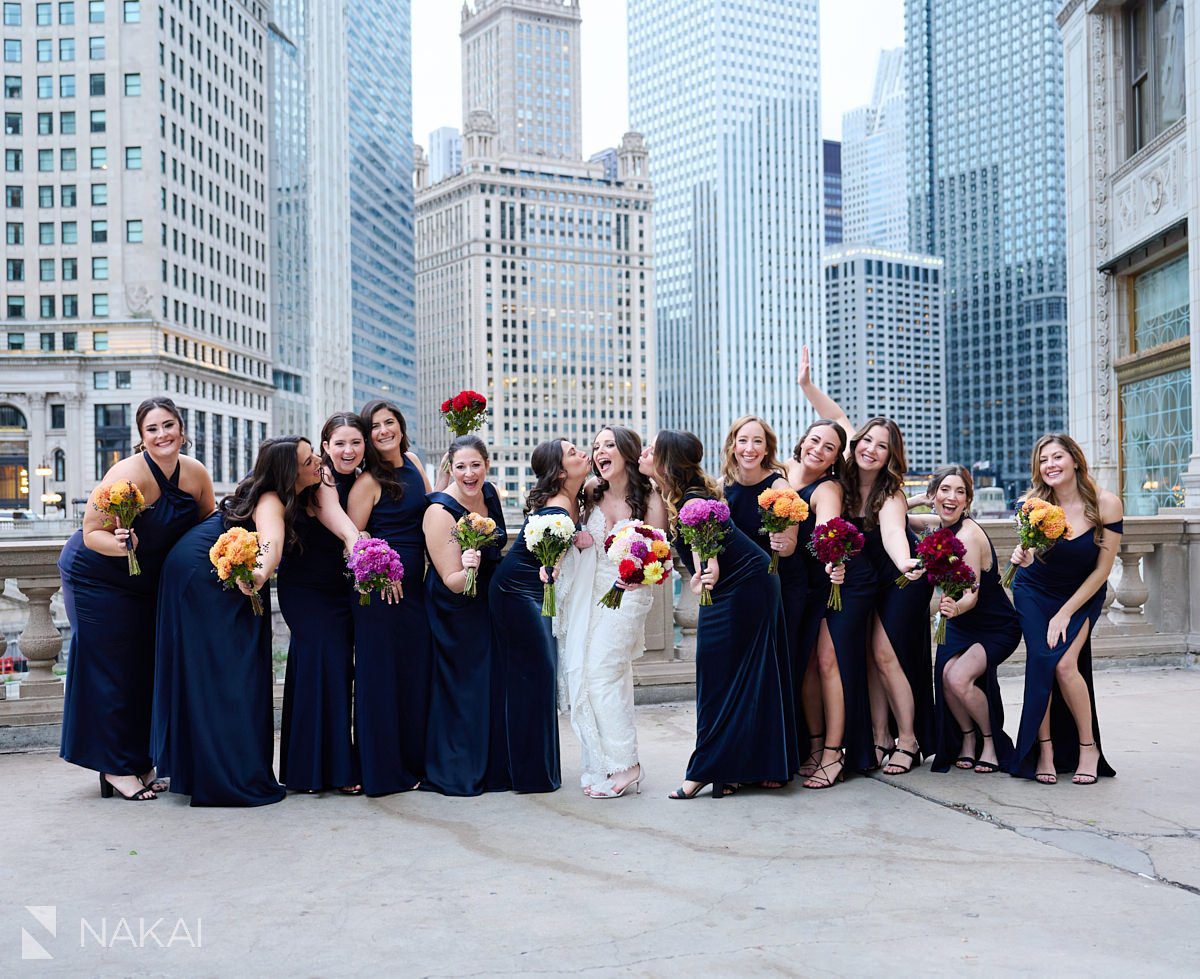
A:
(96, 48)
(15, 269)
(100, 340)
(133, 231)
(100, 304)
(45, 50)
(66, 159)
(58, 417)
(70, 312)
(66, 12)
(124, 380)
(201, 437)
(45, 123)
(46, 270)
(100, 380)
(12, 124)
(70, 269)
(48, 342)
(60, 461)
(99, 267)
(218, 449)
(99, 195)
(14, 233)
(133, 84)
(46, 233)
(45, 86)
(66, 49)
(99, 158)
(12, 86)
(12, 49)
(99, 232)
(113, 424)
(12, 15)
(45, 161)
(70, 236)
(96, 84)
(133, 158)
(14, 161)
(133, 11)
(46, 304)
(99, 121)
(66, 123)
(66, 87)
(95, 11)
(16, 341)
(14, 196)
(45, 14)
(70, 340)
(1154, 31)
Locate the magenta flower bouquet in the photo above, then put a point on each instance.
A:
(836, 542)
(374, 566)
(704, 525)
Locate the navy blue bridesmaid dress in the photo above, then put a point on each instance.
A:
(393, 652)
(742, 732)
(743, 511)
(466, 752)
(850, 631)
(526, 657)
(110, 669)
(316, 749)
(1039, 591)
(214, 716)
(904, 615)
(993, 624)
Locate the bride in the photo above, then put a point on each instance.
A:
(597, 645)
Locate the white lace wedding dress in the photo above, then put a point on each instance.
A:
(596, 650)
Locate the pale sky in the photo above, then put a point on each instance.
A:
(853, 32)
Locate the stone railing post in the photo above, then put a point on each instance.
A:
(687, 614)
(1131, 590)
(40, 640)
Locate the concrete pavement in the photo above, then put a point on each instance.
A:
(929, 874)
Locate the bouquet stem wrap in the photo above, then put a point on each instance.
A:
(548, 536)
(1040, 525)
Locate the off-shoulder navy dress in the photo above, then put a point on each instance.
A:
(393, 652)
(743, 510)
(466, 749)
(316, 751)
(1039, 591)
(110, 669)
(742, 732)
(992, 623)
(214, 716)
(526, 657)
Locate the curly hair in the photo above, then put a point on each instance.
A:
(889, 482)
(677, 459)
(275, 471)
(638, 487)
(1088, 490)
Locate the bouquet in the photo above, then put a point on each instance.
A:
(548, 536)
(642, 556)
(235, 557)
(779, 509)
(935, 552)
(703, 524)
(955, 579)
(1040, 525)
(464, 412)
(122, 501)
(374, 566)
(836, 542)
(474, 532)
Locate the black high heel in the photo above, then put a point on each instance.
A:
(914, 762)
(819, 777)
(986, 767)
(969, 761)
(681, 793)
(814, 757)
(107, 789)
(1085, 778)
(882, 754)
(1045, 778)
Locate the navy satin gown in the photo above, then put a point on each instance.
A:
(904, 615)
(393, 652)
(742, 732)
(1039, 591)
(850, 632)
(466, 751)
(110, 668)
(526, 656)
(744, 512)
(993, 624)
(214, 715)
(316, 750)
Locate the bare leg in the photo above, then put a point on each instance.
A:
(835, 710)
(1075, 693)
(1045, 768)
(899, 697)
(959, 684)
(814, 715)
(961, 715)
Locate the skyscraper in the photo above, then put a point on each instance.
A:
(445, 153)
(834, 193)
(726, 94)
(535, 278)
(874, 168)
(987, 194)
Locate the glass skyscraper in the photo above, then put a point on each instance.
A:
(874, 166)
(726, 94)
(834, 206)
(987, 194)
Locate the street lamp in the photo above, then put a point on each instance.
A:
(45, 472)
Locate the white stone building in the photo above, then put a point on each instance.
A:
(535, 277)
(136, 250)
(884, 344)
(1133, 223)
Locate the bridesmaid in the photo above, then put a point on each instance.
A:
(214, 726)
(750, 465)
(316, 751)
(110, 670)
(393, 650)
(982, 631)
(813, 472)
(896, 619)
(741, 724)
(465, 745)
(1059, 598)
(522, 638)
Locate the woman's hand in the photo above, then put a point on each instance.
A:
(1022, 557)
(583, 540)
(553, 576)
(260, 579)
(779, 541)
(123, 536)
(471, 558)
(804, 378)
(921, 499)
(948, 607)
(1056, 631)
(837, 573)
(709, 574)
(393, 593)
(629, 585)
(911, 569)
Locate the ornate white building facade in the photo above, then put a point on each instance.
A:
(1133, 225)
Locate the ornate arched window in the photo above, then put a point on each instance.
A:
(60, 466)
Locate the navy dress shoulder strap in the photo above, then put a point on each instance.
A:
(1117, 527)
(449, 502)
(159, 476)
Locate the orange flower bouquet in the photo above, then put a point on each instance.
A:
(235, 557)
(1040, 525)
(779, 509)
(121, 502)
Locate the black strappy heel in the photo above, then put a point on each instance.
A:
(1045, 778)
(1085, 778)
(966, 761)
(986, 767)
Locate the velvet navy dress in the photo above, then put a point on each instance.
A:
(316, 751)
(1039, 591)
(742, 730)
(744, 512)
(214, 716)
(992, 623)
(804, 625)
(393, 652)
(110, 669)
(850, 631)
(526, 657)
(466, 753)
(904, 615)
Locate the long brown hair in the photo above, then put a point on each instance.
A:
(953, 469)
(373, 462)
(547, 465)
(149, 405)
(637, 486)
(770, 462)
(1088, 490)
(275, 471)
(345, 419)
(839, 459)
(887, 483)
(677, 460)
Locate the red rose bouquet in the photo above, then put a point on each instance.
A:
(464, 412)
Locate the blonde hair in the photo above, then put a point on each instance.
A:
(1088, 490)
(770, 462)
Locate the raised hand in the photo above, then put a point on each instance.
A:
(804, 378)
